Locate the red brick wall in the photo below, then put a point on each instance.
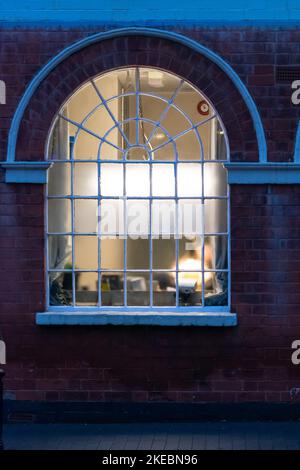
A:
(251, 362)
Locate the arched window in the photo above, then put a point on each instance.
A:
(137, 197)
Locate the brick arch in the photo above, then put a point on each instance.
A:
(140, 50)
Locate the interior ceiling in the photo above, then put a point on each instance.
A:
(152, 80)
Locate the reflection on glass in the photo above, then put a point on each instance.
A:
(112, 253)
(59, 180)
(59, 215)
(60, 252)
(86, 211)
(163, 253)
(112, 293)
(138, 289)
(86, 288)
(60, 288)
(85, 179)
(138, 254)
(216, 290)
(86, 252)
(164, 290)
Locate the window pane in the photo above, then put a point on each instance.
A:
(190, 288)
(138, 254)
(215, 180)
(59, 215)
(174, 122)
(60, 288)
(163, 253)
(164, 153)
(86, 252)
(189, 147)
(59, 180)
(111, 179)
(137, 217)
(60, 252)
(189, 179)
(138, 289)
(163, 180)
(85, 179)
(187, 100)
(137, 180)
(86, 288)
(115, 82)
(112, 293)
(216, 252)
(112, 253)
(163, 218)
(152, 107)
(190, 219)
(111, 217)
(216, 289)
(108, 152)
(158, 81)
(58, 148)
(164, 291)
(136, 153)
(190, 253)
(100, 122)
(84, 147)
(215, 215)
(82, 102)
(86, 212)
(221, 147)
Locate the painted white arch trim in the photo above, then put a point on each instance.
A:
(134, 31)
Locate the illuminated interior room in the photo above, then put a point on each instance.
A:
(137, 196)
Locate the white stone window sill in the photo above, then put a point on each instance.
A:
(214, 319)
